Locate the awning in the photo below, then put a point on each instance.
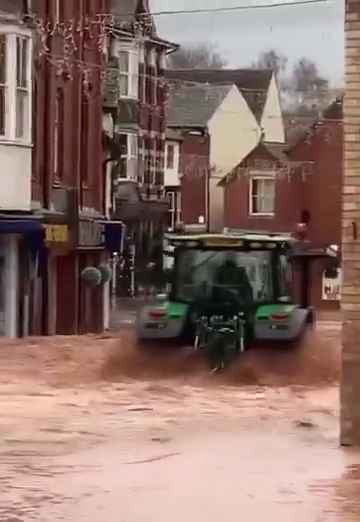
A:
(20, 226)
(32, 230)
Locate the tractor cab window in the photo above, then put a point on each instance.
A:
(199, 272)
(284, 277)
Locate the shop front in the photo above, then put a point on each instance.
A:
(21, 246)
(98, 242)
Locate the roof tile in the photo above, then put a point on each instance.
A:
(252, 83)
(192, 105)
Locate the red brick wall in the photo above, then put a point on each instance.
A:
(194, 166)
(288, 205)
(317, 189)
(77, 162)
(322, 194)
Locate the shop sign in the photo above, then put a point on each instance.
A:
(56, 233)
(91, 234)
(331, 288)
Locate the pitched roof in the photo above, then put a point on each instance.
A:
(274, 152)
(297, 128)
(252, 83)
(192, 105)
(278, 151)
(334, 111)
(125, 11)
(11, 8)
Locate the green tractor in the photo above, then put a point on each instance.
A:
(229, 290)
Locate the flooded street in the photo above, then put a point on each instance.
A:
(95, 429)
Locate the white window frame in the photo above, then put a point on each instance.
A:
(4, 86)
(57, 11)
(141, 161)
(162, 61)
(12, 89)
(261, 177)
(154, 161)
(132, 155)
(171, 197)
(173, 146)
(178, 208)
(131, 74)
(22, 84)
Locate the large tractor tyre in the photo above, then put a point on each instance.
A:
(216, 351)
(248, 337)
(221, 351)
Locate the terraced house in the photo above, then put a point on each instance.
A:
(234, 109)
(134, 122)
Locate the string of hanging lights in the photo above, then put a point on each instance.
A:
(63, 43)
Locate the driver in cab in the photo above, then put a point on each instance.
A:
(232, 279)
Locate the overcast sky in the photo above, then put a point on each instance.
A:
(315, 31)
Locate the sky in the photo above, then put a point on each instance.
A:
(312, 31)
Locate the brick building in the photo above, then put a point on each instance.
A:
(275, 188)
(233, 108)
(134, 107)
(67, 174)
(187, 171)
(350, 392)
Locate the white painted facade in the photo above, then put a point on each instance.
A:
(172, 166)
(15, 151)
(234, 132)
(272, 120)
(9, 285)
(15, 164)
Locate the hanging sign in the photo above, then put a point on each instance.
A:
(331, 288)
(56, 233)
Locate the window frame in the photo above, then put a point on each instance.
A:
(22, 83)
(141, 160)
(261, 177)
(172, 166)
(132, 153)
(131, 74)
(171, 198)
(58, 137)
(12, 89)
(59, 11)
(4, 86)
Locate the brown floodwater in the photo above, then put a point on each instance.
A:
(98, 428)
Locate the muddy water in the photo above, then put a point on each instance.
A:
(98, 429)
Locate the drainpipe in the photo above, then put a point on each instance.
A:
(207, 188)
(80, 108)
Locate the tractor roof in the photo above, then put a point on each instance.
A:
(235, 240)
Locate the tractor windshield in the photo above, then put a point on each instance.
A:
(198, 272)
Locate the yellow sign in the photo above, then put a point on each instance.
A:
(57, 233)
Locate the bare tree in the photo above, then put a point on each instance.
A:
(201, 55)
(306, 77)
(273, 60)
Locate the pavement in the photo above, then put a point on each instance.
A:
(95, 428)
